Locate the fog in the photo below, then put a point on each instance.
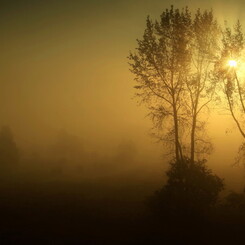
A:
(66, 94)
(64, 67)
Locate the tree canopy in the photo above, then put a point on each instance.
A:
(172, 66)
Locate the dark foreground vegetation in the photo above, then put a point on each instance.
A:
(183, 63)
(37, 208)
(186, 210)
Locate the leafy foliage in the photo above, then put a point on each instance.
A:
(231, 79)
(160, 66)
(191, 188)
(172, 66)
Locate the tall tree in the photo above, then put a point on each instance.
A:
(200, 85)
(229, 73)
(172, 66)
(9, 153)
(160, 65)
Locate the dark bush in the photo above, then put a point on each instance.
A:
(191, 189)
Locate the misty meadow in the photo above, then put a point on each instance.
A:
(122, 122)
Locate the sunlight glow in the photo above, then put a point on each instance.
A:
(232, 63)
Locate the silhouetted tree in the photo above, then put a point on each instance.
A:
(9, 154)
(160, 66)
(236, 200)
(67, 147)
(172, 64)
(230, 76)
(190, 189)
(200, 85)
(232, 208)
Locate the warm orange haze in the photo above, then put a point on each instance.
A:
(122, 122)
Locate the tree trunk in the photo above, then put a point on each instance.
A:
(193, 129)
(178, 150)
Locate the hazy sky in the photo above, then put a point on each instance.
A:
(64, 66)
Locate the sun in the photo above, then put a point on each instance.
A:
(232, 63)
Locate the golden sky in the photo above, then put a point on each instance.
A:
(64, 66)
